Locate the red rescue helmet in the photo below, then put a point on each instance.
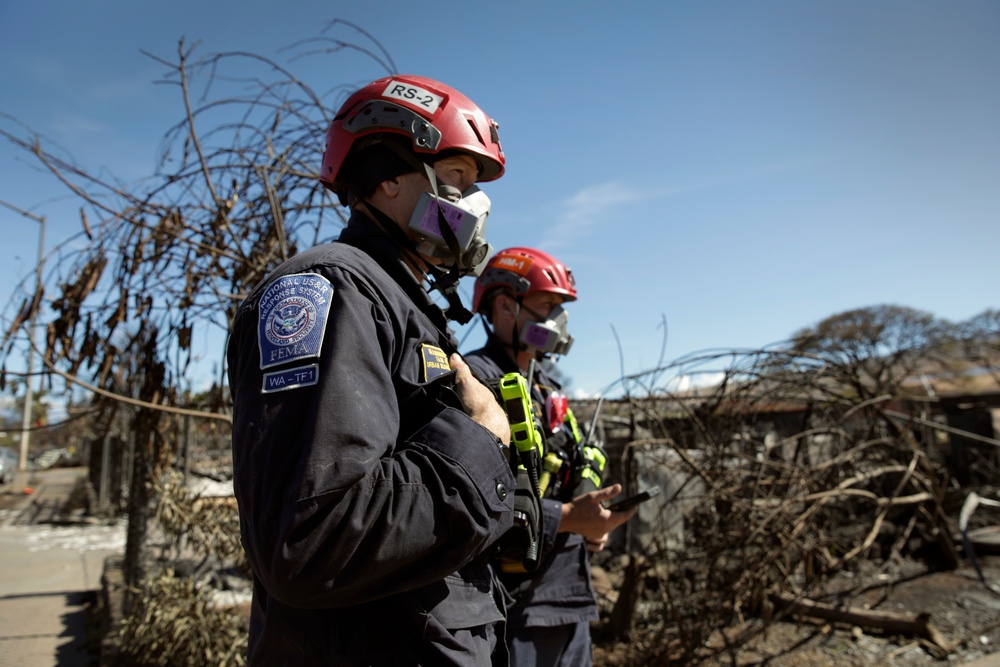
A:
(433, 117)
(523, 271)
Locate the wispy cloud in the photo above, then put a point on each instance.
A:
(588, 208)
(76, 125)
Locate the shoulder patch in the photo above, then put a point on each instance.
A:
(292, 322)
(435, 361)
(291, 378)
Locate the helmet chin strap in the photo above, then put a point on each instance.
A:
(515, 345)
(444, 282)
(515, 334)
(449, 288)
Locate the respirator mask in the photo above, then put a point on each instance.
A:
(452, 227)
(550, 336)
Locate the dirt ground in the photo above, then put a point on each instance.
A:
(963, 612)
(964, 617)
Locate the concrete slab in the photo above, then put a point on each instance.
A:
(49, 575)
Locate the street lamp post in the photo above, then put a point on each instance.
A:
(22, 464)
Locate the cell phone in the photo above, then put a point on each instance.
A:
(632, 501)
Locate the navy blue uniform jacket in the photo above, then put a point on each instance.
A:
(368, 499)
(559, 592)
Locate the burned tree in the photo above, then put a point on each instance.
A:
(803, 463)
(873, 349)
(146, 291)
(978, 342)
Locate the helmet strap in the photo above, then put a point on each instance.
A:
(405, 246)
(446, 231)
(444, 282)
(492, 334)
(515, 334)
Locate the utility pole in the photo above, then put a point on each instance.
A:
(22, 464)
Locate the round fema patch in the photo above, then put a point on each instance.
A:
(290, 320)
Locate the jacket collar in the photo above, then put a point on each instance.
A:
(365, 235)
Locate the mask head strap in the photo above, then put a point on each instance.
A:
(445, 282)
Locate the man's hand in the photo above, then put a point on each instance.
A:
(479, 401)
(586, 516)
(593, 546)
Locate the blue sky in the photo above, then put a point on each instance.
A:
(740, 169)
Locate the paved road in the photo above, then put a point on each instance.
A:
(49, 573)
